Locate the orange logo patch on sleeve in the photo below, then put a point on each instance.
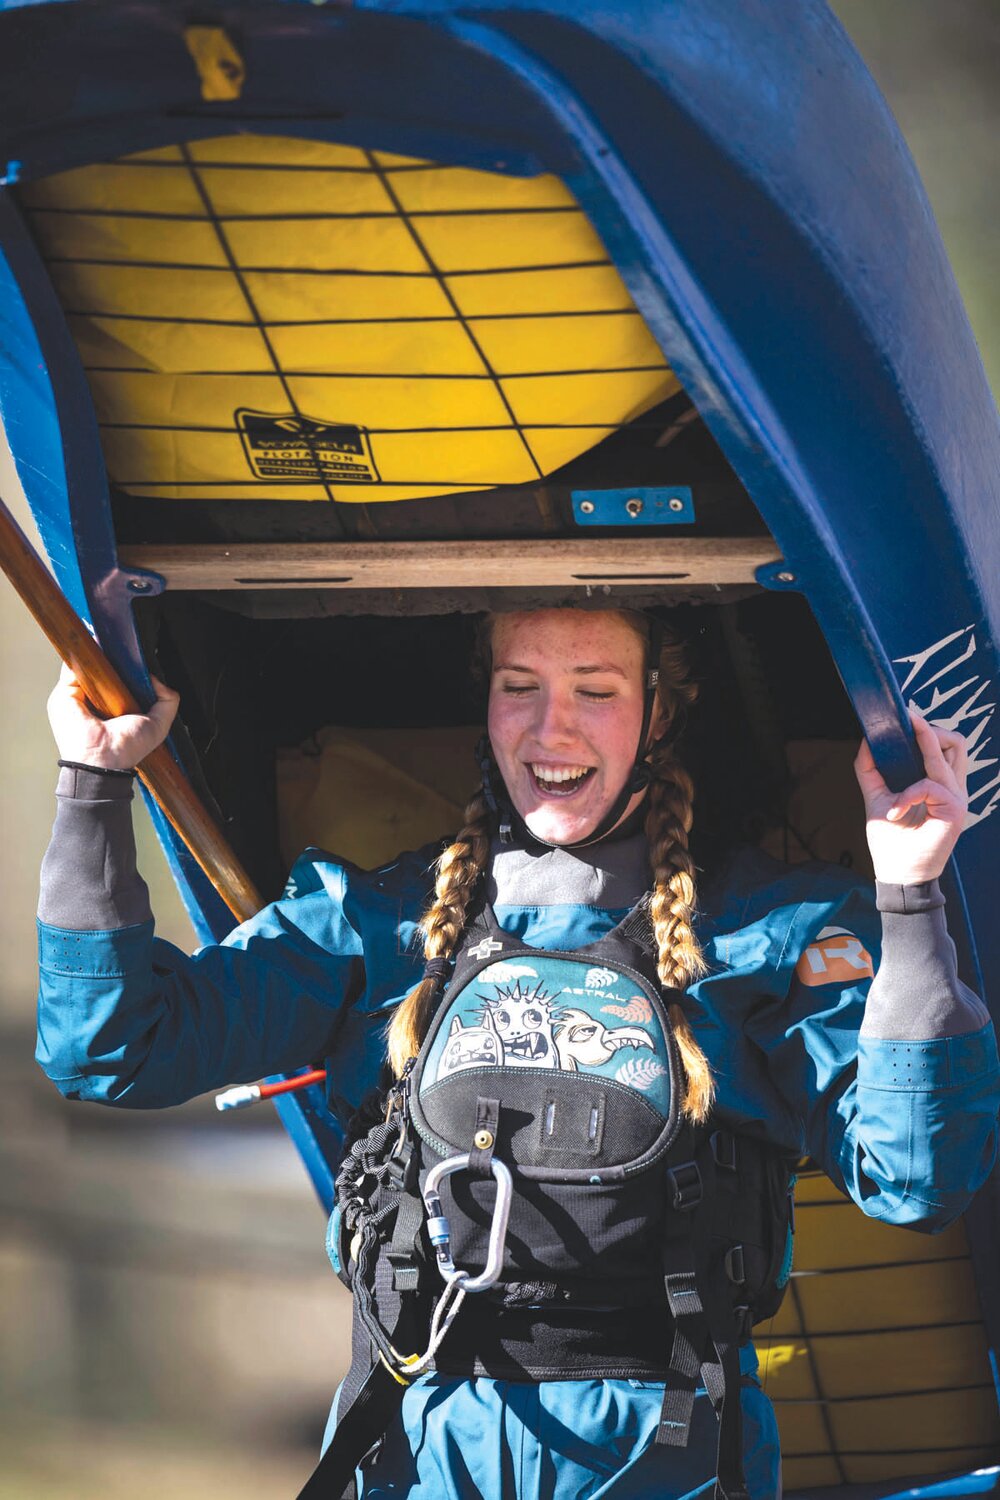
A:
(835, 956)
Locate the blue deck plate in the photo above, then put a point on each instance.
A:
(638, 506)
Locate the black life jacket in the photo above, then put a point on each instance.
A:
(546, 1103)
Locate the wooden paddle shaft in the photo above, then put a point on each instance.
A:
(110, 697)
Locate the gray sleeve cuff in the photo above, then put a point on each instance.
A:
(89, 880)
(85, 785)
(905, 899)
(917, 994)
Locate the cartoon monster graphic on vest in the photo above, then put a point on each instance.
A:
(584, 1042)
(514, 1030)
(519, 1025)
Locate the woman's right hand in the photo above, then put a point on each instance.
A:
(115, 744)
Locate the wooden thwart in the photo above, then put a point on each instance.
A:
(433, 564)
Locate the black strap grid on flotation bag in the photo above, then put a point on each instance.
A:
(529, 1203)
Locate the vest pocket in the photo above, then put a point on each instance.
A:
(597, 1237)
(551, 1122)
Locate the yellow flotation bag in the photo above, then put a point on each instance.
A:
(280, 319)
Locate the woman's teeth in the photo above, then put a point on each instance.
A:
(560, 779)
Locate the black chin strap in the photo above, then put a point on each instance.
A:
(641, 774)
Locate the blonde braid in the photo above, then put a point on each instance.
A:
(458, 872)
(680, 960)
(668, 823)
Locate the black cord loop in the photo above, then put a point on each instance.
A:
(438, 969)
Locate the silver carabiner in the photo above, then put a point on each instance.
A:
(439, 1230)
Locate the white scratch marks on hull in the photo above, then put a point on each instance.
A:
(943, 685)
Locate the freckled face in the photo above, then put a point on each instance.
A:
(565, 713)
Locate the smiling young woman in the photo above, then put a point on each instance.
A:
(602, 1077)
(565, 712)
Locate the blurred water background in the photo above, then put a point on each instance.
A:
(170, 1323)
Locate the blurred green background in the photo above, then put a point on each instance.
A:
(171, 1326)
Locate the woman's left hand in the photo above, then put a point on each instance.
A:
(912, 833)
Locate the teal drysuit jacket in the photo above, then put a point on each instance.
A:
(906, 1128)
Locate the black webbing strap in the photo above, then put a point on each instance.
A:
(484, 1137)
(706, 1337)
(731, 1324)
(691, 1338)
(730, 1482)
(637, 925)
(358, 1430)
(402, 1254)
(685, 1191)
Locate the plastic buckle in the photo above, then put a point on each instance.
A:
(723, 1144)
(397, 1169)
(685, 1183)
(405, 1271)
(735, 1264)
(744, 1323)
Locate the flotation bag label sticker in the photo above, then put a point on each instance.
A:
(554, 1013)
(835, 956)
(289, 445)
